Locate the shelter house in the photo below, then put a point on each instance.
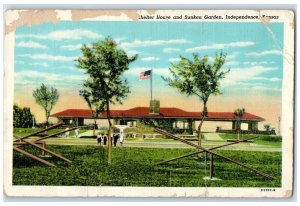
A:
(178, 120)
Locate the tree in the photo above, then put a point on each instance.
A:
(198, 77)
(46, 97)
(105, 63)
(239, 113)
(23, 118)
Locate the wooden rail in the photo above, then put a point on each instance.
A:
(49, 151)
(34, 157)
(41, 131)
(58, 133)
(213, 153)
(38, 143)
(24, 143)
(212, 148)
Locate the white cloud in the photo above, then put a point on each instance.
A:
(73, 34)
(275, 79)
(118, 40)
(264, 88)
(39, 64)
(162, 71)
(221, 46)
(232, 56)
(264, 53)
(68, 67)
(19, 62)
(31, 44)
(59, 35)
(239, 75)
(174, 59)
(259, 63)
(149, 59)
(32, 76)
(170, 50)
(132, 52)
(48, 57)
(71, 47)
(272, 79)
(139, 43)
(231, 63)
(35, 75)
(76, 77)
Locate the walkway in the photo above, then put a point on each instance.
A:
(166, 144)
(212, 137)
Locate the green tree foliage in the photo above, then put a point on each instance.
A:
(23, 118)
(104, 63)
(198, 77)
(46, 97)
(239, 113)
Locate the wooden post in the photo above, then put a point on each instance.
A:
(43, 151)
(211, 165)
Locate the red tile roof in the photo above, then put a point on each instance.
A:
(141, 112)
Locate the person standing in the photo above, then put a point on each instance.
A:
(99, 139)
(77, 133)
(115, 137)
(104, 139)
(121, 139)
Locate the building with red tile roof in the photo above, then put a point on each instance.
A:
(178, 118)
(165, 112)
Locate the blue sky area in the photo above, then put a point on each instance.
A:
(45, 53)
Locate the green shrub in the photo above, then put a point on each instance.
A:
(22, 117)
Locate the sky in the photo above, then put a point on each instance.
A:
(45, 53)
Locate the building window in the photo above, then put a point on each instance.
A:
(180, 124)
(122, 122)
(128, 123)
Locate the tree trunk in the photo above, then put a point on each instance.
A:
(94, 132)
(47, 118)
(109, 134)
(238, 129)
(199, 130)
(199, 136)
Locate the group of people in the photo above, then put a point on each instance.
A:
(101, 138)
(104, 138)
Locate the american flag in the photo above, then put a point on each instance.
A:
(145, 75)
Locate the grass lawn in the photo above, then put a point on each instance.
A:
(25, 131)
(270, 140)
(136, 167)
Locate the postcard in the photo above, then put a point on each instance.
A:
(149, 103)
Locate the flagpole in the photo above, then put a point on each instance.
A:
(151, 83)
